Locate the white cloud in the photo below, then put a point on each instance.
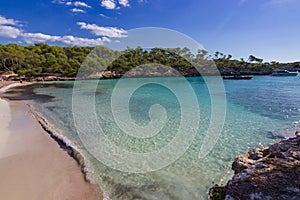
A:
(9, 28)
(103, 31)
(77, 10)
(115, 4)
(82, 4)
(102, 15)
(59, 1)
(108, 4)
(9, 31)
(71, 40)
(32, 38)
(6, 21)
(124, 3)
(106, 39)
(70, 3)
(39, 38)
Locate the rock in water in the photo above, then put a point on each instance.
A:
(265, 173)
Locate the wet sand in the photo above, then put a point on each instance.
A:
(32, 164)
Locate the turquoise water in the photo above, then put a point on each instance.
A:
(259, 112)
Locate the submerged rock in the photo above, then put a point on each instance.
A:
(265, 173)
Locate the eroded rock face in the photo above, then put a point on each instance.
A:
(267, 173)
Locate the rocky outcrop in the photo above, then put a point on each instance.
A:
(8, 75)
(265, 173)
(102, 75)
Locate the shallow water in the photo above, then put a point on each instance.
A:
(259, 112)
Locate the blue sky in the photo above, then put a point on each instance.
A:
(269, 29)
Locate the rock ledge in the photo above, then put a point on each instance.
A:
(265, 173)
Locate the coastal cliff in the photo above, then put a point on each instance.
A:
(265, 173)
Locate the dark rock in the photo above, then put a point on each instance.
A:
(266, 173)
(217, 192)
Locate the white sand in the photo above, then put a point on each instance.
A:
(5, 118)
(3, 89)
(32, 165)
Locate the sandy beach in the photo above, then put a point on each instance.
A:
(32, 164)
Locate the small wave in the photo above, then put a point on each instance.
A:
(68, 146)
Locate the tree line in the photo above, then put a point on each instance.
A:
(42, 59)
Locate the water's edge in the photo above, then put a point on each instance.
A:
(63, 142)
(68, 146)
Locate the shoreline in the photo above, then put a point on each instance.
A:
(68, 146)
(63, 142)
(270, 172)
(71, 171)
(98, 76)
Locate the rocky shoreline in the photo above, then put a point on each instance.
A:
(265, 173)
(11, 76)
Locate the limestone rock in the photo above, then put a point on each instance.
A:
(266, 173)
